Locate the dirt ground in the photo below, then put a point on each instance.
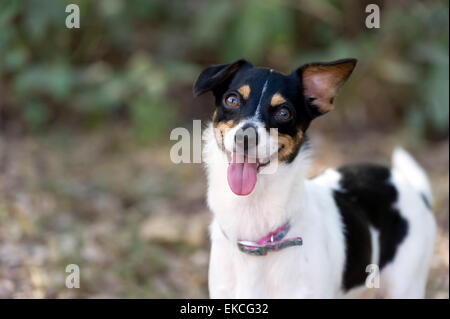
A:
(135, 223)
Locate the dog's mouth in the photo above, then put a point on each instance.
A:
(242, 172)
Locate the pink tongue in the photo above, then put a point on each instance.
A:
(241, 176)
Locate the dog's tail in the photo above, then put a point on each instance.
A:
(404, 163)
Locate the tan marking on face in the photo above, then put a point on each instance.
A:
(289, 145)
(220, 129)
(277, 99)
(244, 91)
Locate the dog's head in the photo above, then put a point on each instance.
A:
(261, 115)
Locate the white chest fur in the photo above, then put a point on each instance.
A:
(295, 272)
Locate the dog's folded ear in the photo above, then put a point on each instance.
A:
(322, 81)
(215, 75)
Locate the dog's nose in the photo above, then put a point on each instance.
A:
(247, 137)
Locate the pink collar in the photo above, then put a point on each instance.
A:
(274, 241)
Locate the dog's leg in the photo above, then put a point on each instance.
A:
(407, 276)
(221, 277)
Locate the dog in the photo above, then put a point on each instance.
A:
(277, 234)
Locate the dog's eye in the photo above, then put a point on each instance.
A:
(283, 114)
(232, 100)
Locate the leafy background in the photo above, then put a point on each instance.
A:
(85, 116)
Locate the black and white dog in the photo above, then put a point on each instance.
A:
(276, 234)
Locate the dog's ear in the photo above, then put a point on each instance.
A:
(215, 75)
(322, 81)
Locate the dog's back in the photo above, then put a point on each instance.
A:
(387, 222)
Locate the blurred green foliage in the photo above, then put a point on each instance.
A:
(134, 62)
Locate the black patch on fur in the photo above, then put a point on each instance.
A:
(367, 198)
